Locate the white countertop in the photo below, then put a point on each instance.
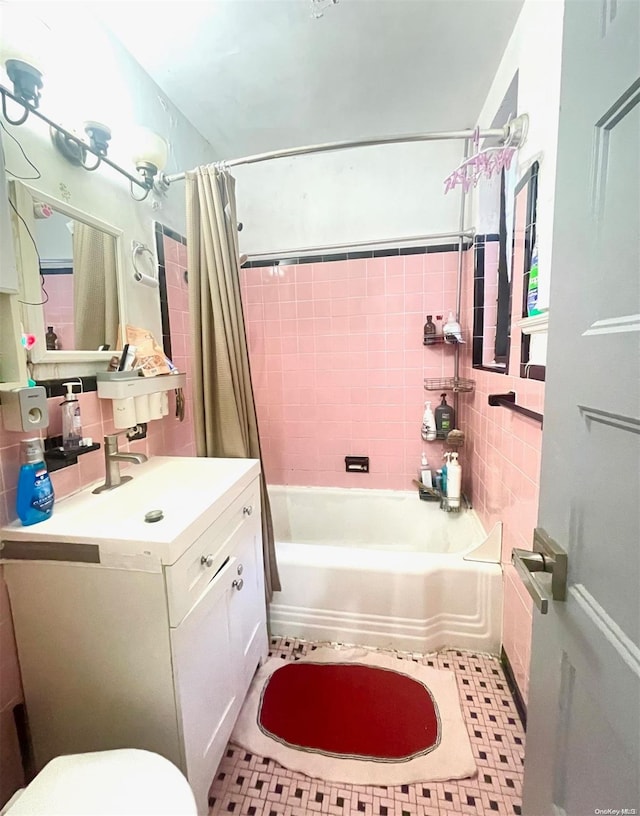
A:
(191, 492)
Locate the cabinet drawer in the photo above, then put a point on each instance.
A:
(189, 577)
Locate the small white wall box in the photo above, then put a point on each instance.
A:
(24, 409)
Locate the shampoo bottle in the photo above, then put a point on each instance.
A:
(428, 424)
(429, 333)
(71, 422)
(35, 497)
(454, 481)
(445, 417)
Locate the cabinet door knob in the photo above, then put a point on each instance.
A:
(247, 510)
(238, 584)
(240, 569)
(207, 560)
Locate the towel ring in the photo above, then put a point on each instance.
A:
(138, 250)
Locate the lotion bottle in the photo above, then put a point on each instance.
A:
(34, 501)
(424, 473)
(454, 481)
(71, 422)
(428, 424)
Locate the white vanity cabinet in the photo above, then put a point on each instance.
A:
(147, 643)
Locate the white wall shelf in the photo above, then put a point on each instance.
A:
(139, 386)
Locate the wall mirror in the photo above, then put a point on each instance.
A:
(70, 268)
(492, 295)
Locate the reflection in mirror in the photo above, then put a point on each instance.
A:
(526, 216)
(78, 265)
(492, 295)
(493, 256)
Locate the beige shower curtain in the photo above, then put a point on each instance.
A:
(224, 409)
(95, 290)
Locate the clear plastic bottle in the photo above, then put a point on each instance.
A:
(71, 422)
(35, 498)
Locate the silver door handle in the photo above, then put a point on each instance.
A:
(247, 510)
(546, 557)
(207, 560)
(238, 583)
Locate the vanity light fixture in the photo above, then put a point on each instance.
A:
(150, 155)
(27, 84)
(75, 151)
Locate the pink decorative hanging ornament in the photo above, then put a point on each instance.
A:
(483, 163)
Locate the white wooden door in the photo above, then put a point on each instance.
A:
(583, 738)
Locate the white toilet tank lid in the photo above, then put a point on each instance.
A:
(124, 782)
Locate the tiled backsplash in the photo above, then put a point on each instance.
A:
(338, 363)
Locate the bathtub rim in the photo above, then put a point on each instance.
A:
(486, 548)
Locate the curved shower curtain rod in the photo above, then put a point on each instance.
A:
(512, 133)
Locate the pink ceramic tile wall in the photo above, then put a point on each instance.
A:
(338, 364)
(58, 310)
(503, 450)
(167, 437)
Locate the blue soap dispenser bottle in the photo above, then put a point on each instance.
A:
(35, 497)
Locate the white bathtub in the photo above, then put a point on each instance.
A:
(382, 568)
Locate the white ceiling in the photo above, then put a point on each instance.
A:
(256, 75)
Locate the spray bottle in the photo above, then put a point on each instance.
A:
(71, 422)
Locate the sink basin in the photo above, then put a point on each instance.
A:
(187, 490)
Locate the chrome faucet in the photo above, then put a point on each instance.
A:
(112, 459)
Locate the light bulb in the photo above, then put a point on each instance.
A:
(149, 149)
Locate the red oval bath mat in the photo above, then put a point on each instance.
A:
(349, 710)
